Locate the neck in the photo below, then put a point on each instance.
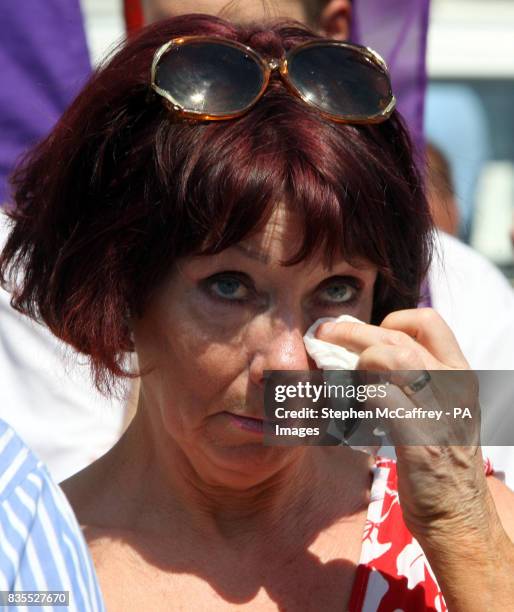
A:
(161, 482)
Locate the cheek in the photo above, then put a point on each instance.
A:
(365, 309)
(208, 343)
(195, 359)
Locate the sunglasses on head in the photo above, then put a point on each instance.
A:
(210, 78)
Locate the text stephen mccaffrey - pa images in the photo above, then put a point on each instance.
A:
(288, 417)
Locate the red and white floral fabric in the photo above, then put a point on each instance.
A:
(393, 574)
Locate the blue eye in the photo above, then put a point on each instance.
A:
(340, 293)
(228, 288)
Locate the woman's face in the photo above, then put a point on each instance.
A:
(214, 327)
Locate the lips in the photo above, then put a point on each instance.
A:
(252, 424)
(247, 423)
(256, 425)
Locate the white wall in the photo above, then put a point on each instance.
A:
(104, 25)
(471, 38)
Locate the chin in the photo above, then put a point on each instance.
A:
(247, 465)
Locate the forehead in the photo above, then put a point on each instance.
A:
(280, 239)
(242, 10)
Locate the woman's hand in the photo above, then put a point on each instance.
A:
(443, 490)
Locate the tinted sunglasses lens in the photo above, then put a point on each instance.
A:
(209, 78)
(340, 81)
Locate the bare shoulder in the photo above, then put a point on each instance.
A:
(122, 575)
(504, 501)
(114, 553)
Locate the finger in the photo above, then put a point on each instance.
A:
(435, 399)
(402, 365)
(388, 358)
(392, 360)
(358, 337)
(429, 329)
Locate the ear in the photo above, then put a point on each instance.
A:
(335, 18)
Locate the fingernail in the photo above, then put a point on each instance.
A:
(326, 329)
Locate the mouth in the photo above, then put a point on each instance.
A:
(254, 425)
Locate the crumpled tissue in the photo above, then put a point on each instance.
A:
(330, 356)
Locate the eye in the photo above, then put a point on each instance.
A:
(340, 292)
(228, 287)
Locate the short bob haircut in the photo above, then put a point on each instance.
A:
(121, 188)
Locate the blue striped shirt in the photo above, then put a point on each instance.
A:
(41, 545)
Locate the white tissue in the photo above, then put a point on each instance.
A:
(330, 356)
(326, 355)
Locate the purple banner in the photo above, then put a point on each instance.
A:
(397, 29)
(44, 60)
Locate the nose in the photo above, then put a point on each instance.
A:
(281, 348)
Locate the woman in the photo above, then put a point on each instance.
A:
(208, 248)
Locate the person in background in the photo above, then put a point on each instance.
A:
(332, 18)
(41, 545)
(398, 33)
(155, 10)
(456, 123)
(46, 394)
(441, 194)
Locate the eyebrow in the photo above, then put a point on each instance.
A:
(251, 253)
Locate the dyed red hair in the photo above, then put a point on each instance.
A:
(120, 189)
